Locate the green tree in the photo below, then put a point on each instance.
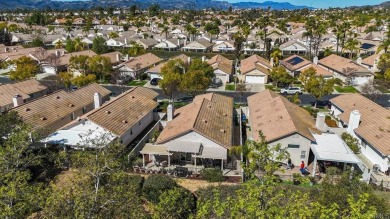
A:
(384, 62)
(195, 82)
(100, 66)
(66, 79)
(5, 37)
(99, 45)
(279, 75)
(83, 80)
(319, 87)
(135, 49)
(386, 75)
(78, 45)
(169, 207)
(155, 185)
(172, 75)
(199, 65)
(307, 74)
(113, 35)
(25, 68)
(69, 45)
(79, 63)
(238, 41)
(276, 55)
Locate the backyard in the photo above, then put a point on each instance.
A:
(346, 89)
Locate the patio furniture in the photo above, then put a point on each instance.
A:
(136, 169)
(164, 163)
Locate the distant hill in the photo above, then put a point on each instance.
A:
(269, 4)
(165, 4)
(385, 4)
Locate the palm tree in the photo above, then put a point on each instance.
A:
(166, 31)
(276, 55)
(59, 44)
(263, 24)
(352, 45)
(384, 45)
(113, 35)
(328, 51)
(79, 45)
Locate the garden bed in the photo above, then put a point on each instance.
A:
(230, 87)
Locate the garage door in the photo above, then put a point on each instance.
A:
(255, 79)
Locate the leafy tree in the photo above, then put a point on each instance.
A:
(9, 122)
(69, 45)
(172, 75)
(386, 75)
(260, 155)
(279, 75)
(199, 65)
(154, 10)
(319, 87)
(100, 66)
(156, 185)
(136, 49)
(25, 68)
(352, 142)
(307, 74)
(5, 37)
(113, 35)
(66, 79)
(212, 28)
(276, 55)
(59, 44)
(79, 63)
(99, 45)
(83, 80)
(78, 45)
(384, 62)
(194, 82)
(175, 203)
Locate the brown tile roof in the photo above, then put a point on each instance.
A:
(342, 65)
(29, 86)
(157, 68)
(370, 60)
(125, 111)
(320, 71)
(113, 56)
(277, 117)
(375, 120)
(221, 62)
(209, 115)
(143, 61)
(16, 52)
(253, 62)
(292, 67)
(64, 59)
(43, 112)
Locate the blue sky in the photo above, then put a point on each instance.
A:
(322, 3)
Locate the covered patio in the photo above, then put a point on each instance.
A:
(192, 155)
(330, 148)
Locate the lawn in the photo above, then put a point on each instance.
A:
(346, 89)
(230, 87)
(137, 83)
(162, 107)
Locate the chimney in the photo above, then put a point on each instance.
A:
(125, 41)
(354, 121)
(271, 62)
(203, 58)
(315, 60)
(58, 53)
(320, 122)
(178, 42)
(185, 42)
(117, 57)
(359, 60)
(170, 112)
(97, 99)
(189, 60)
(17, 100)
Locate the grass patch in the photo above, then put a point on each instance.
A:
(272, 87)
(162, 106)
(230, 87)
(137, 83)
(346, 89)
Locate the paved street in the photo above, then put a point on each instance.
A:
(383, 100)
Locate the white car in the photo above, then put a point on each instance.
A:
(291, 90)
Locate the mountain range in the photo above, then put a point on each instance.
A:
(165, 4)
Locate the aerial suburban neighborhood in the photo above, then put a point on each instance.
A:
(225, 112)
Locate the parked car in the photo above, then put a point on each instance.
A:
(154, 81)
(291, 90)
(186, 99)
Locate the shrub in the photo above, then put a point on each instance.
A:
(212, 175)
(175, 203)
(143, 76)
(352, 142)
(155, 185)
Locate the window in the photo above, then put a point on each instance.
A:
(84, 109)
(293, 145)
(303, 155)
(72, 116)
(131, 131)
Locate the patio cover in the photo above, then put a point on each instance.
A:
(160, 149)
(184, 146)
(330, 147)
(213, 153)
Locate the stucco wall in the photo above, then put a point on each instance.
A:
(132, 133)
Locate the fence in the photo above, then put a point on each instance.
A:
(145, 139)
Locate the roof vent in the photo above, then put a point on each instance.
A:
(71, 105)
(43, 118)
(27, 109)
(204, 120)
(224, 114)
(107, 112)
(124, 121)
(209, 106)
(222, 130)
(132, 97)
(57, 97)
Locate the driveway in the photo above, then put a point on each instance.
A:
(255, 87)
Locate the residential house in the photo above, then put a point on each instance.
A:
(293, 47)
(15, 94)
(296, 64)
(116, 58)
(370, 62)
(53, 111)
(78, 21)
(369, 123)
(169, 45)
(21, 38)
(200, 133)
(155, 72)
(348, 71)
(225, 46)
(138, 65)
(147, 43)
(281, 122)
(199, 45)
(255, 69)
(123, 118)
(223, 68)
